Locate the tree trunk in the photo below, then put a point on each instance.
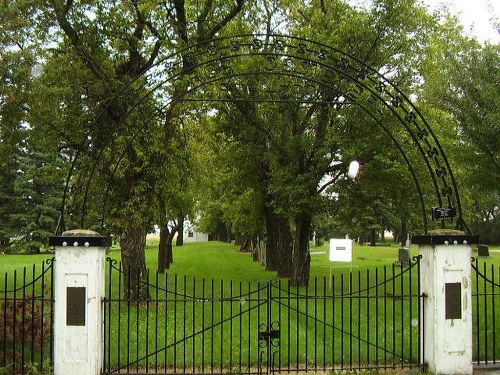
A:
(170, 247)
(180, 232)
(373, 237)
(272, 240)
(133, 244)
(162, 249)
(301, 256)
(285, 247)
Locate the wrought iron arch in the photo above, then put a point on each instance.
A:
(217, 62)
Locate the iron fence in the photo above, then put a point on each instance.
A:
(486, 313)
(354, 321)
(26, 320)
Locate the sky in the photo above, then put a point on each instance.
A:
(475, 15)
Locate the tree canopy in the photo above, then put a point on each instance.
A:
(109, 120)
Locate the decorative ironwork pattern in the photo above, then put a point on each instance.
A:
(353, 321)
(26, 319)
(187, 75)
(485, 312)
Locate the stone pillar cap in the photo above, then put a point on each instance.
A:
(80, 237)
(80, 233)
(445, 237)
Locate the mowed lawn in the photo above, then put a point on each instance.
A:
(218, 260)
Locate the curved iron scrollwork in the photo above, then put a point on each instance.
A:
(353, 82)
(269, 337)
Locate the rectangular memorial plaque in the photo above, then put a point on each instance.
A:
(443, 213)
(75, 306)
(453, 301)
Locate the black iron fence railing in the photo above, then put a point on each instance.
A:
(26, 320)
(486, 313)
(360, 320)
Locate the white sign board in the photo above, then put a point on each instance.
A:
(340, 250)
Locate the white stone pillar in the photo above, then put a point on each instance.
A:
(446, 339)
(78, 293)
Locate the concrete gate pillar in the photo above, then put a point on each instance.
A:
(78, 292)
(447, 307)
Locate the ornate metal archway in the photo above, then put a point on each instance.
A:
(181, 76)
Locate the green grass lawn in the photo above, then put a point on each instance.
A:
(223, 260)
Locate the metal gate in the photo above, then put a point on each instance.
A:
(486, 314)
(355, 321)
(26, 320)
(358, 320)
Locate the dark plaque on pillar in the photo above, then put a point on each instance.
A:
(75, 306)
(453, 298)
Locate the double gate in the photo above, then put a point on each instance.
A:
(353, 321)
(359, 320)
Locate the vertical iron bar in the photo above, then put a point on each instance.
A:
(494, 316)
(137, 312)
(157, 307)
(203, 325)
(350, 319)
(249, 325)
(306, 326)
(119, 322)
(184, 314)
(393, 315)
(212, 328)
(4, 347)
(279, 322)
(23, 321)
(289, 333)
(410, 307)
(174, 328)
(42, 322)
(165, 339)
(193, 328)
(221, 325)
(360, 299)
(385, 316)
(33, 296)
(128, 320)
(269, 327)
(324, 322)
(485, 323)
(240, 326)
(14, 321)
(402, 317)
(376, 317)
(333, 319)
(315, 323)
(478, 328)
(230, 299)
(297, 329)
(342, 321)
(368, 284)
(147, 324)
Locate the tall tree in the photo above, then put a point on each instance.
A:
(461, 89)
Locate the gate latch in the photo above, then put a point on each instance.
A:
(269, 334)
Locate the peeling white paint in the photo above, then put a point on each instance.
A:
(78, 349)
(448, 342)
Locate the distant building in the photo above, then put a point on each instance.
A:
(192, 235)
